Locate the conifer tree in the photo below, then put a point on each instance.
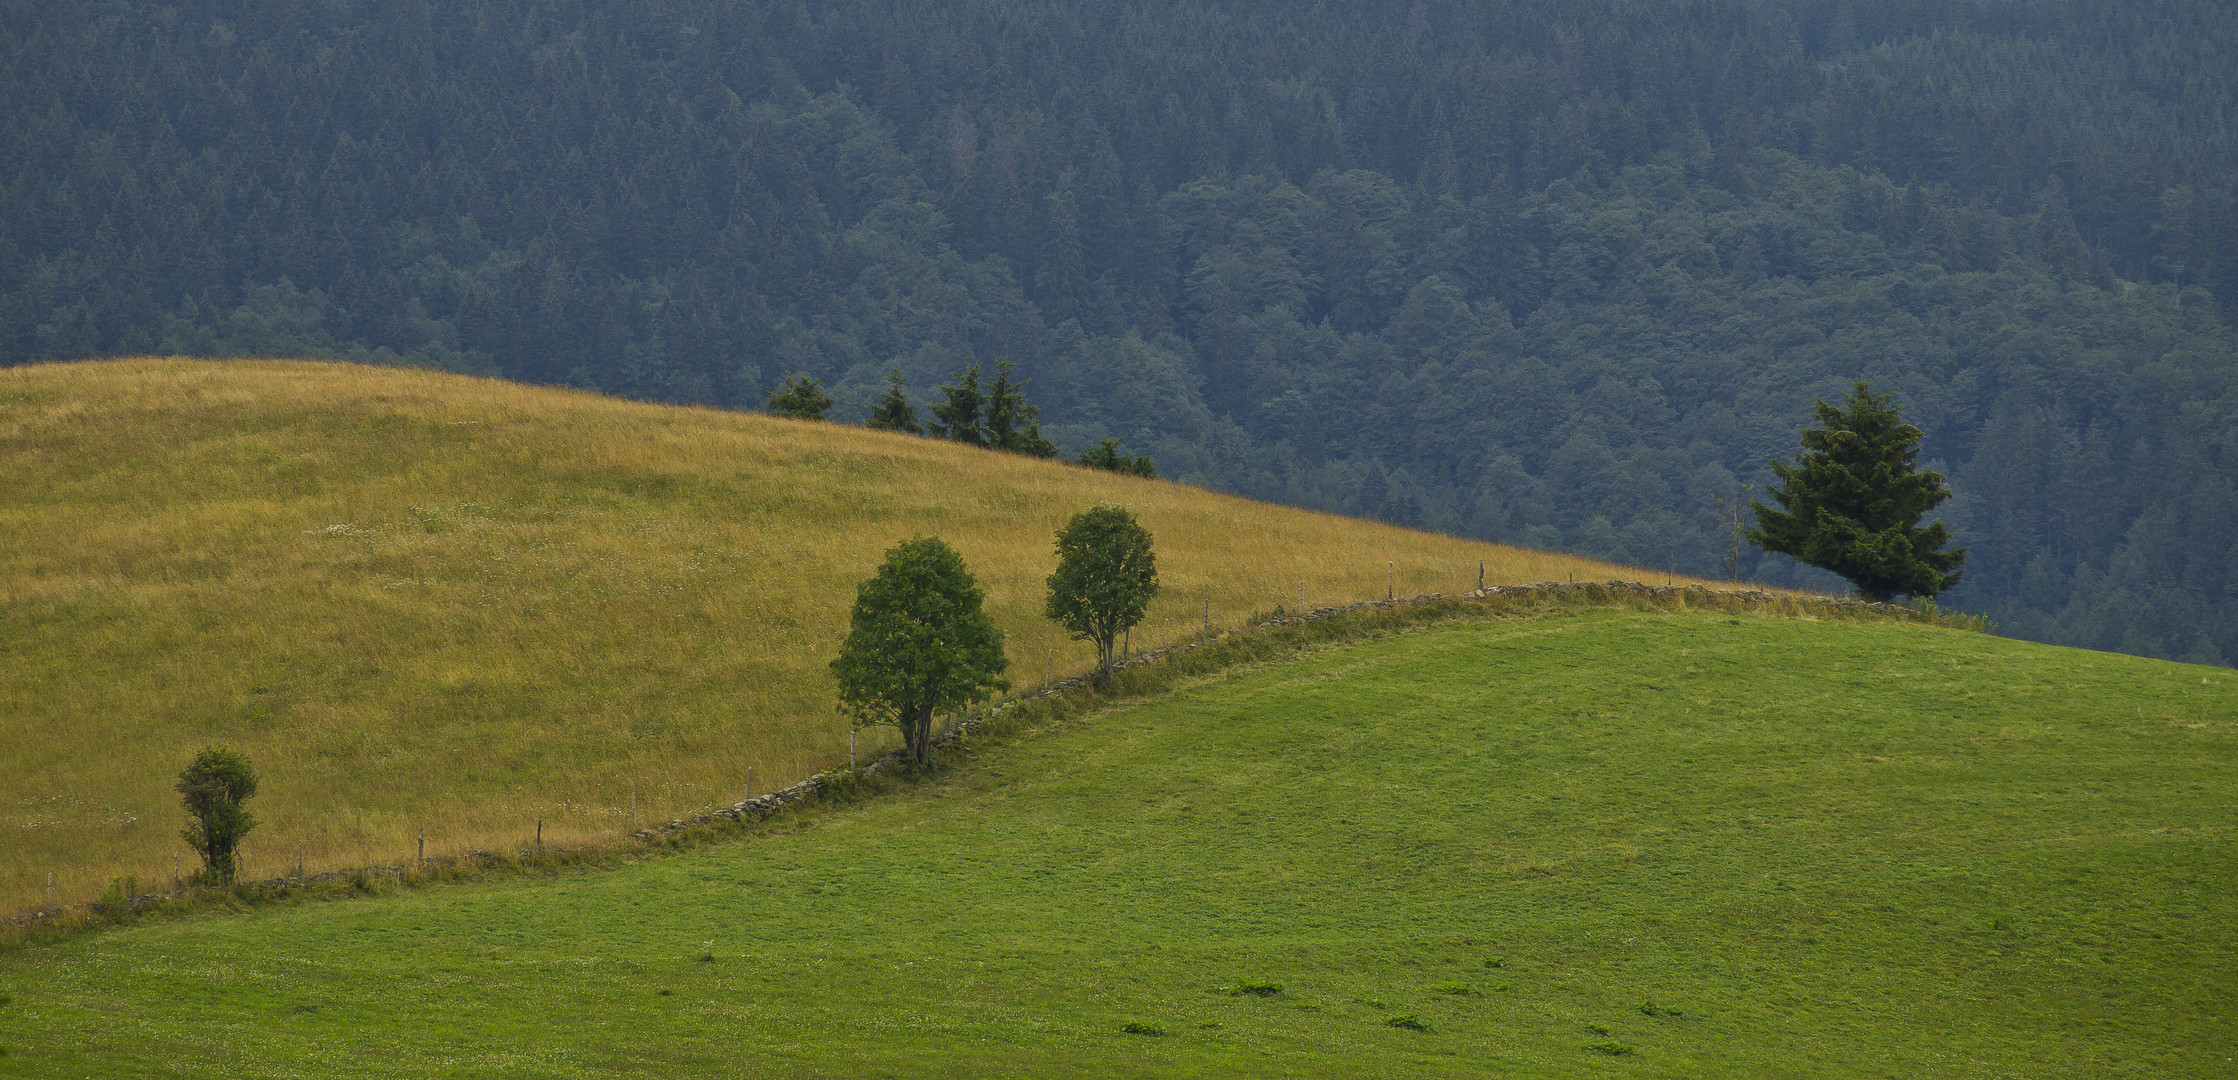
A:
(894, 412)
(1012, 424)
(801, 398)
(1106, 455)
(1853, 503)
(958, 418)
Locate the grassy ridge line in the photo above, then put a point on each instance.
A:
(1139, 676)
(422, 601)
(1504, 600)
(1817, 845)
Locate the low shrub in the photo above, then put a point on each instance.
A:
(1255, 989)
(1137, 1027)
(1649, 1008)
(1408, 1021)
(1610, 1047)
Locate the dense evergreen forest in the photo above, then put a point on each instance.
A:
(1559, 272)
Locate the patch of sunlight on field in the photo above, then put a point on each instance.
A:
(426, 601)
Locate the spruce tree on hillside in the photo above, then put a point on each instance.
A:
(801, 398)
(958, 418)
(894, 412)
(1107, 456)
(1853, 503)
(1012, 424)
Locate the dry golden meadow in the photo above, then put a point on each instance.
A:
(423, 601)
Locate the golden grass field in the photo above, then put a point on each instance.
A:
(424, 601)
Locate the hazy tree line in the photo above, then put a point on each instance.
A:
(1561, 273)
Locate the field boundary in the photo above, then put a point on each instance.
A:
(1280, 628)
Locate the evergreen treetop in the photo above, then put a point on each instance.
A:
(1012, 424)
(802, 398)
(894, 412)
(958, 417)
(1853, 503)
(1107, 456)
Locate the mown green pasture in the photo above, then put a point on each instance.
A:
(1597, 843)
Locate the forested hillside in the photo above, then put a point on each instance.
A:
(1563, 273)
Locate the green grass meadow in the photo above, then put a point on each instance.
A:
(1596, 843)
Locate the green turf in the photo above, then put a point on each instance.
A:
(1816, 849)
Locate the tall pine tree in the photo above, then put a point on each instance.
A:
(1853, 503)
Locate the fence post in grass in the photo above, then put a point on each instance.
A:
(1208, 613)
(174, 870)
(1391, 580)
(633, 809)
(1301, 599)
(539, 834)
(749, 783)
(1480, 575)
(850, 748)
(423, 847)
(50, 888)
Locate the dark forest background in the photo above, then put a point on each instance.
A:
(1558, 273)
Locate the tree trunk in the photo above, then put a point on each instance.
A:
(920, 736)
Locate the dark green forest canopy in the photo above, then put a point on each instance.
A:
(1557, 273)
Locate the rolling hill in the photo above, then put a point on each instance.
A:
(1593, 843)
(430, 602)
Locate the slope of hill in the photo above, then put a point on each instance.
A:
(429, 602)
(1589, 844)
(1563, 274)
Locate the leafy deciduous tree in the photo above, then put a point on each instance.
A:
(919, 644)
(213, 788)
(1853, 504)
(1106, 575)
